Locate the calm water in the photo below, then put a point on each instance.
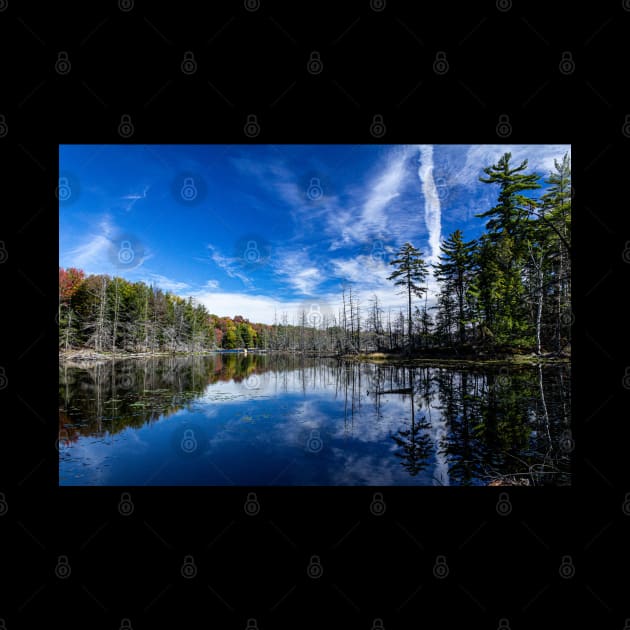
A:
(283, 420)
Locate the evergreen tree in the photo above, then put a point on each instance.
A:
(454, 271)
(410, 273)
(510, 210)
(505, 249)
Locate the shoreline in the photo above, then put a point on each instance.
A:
(83, 358)
(448, 360)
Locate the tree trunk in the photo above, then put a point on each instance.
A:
(115, 322)
(100, 323)
(462, 332)
(68, 329)
(540, 306)
(409, 322)
(558, 333)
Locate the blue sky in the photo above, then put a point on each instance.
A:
(267, 230)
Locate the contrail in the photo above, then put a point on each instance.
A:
(432, 208)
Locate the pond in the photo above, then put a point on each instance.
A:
(282, 420)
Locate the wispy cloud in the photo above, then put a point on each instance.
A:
(305, 281)
(91, 254)
(231, 265)
(296, 270)
(377, 214)
(350, 215)
(97, 252)
(130, 200)
(362, 271)
(432, 207)
(384, 190)
(168, 284)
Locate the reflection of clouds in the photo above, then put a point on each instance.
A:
(292, 424)
(270, 383)
(208, 412)
(91, 457)
(304, 417)
(226, 392)
(367, 427)
(229, 432)
(345, 438)
(438, 433)
(258, 429)
(296, 381)
(298, 418)
(355, 469)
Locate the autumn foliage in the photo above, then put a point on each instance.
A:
(69, 282)
(104, 313)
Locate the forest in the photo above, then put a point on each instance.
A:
(507, 290)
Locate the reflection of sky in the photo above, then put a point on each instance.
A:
(257, 432)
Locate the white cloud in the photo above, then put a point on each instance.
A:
(132, 199)
(362, 270)
(89, 255)
(277, 178)
(96, 253)
(256, 308)
(266, 309)
(92, 254)
(432, 207)
(385, 189)
(356, 214)
(231, 266)
(211, 284)
(296, 269)
(368, 278)
(377, 215)
(306, 280)
(168, 284)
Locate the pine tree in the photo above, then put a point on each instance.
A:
(454, 271)
(510, 210)
(411, 272)
(505, 248)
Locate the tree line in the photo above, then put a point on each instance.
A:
(509, 288)
(114, 315)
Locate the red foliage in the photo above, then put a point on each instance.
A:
(69, 281)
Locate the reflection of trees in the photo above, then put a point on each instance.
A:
(109, 397)
(463, 445)
(497, 424)
(500, 424)
(414, 443)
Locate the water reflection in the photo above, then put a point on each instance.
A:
(285, 420)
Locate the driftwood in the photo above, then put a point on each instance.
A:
(509, 482)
